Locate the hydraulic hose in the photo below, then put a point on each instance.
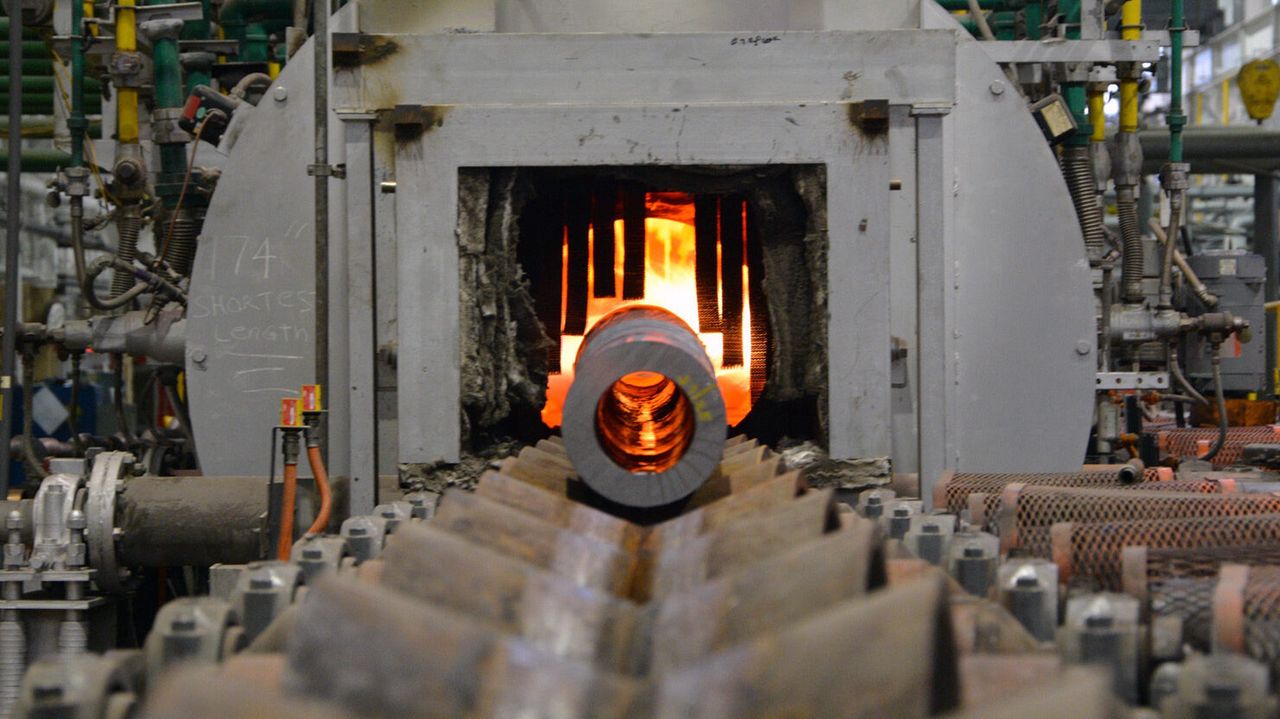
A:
(1209, 299)
(1166, 271)
(322, 488)
(288, 498)
(1175, 369)
(1131, 244)
(129, 226)
(1222, 405)
(1077, 170)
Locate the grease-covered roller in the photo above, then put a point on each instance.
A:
(644, 421)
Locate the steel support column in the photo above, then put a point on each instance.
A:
(931, 319)
(1266, 224)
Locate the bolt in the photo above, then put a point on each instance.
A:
(1083, 347)
(46, 692)
(1098, 621)
(280, 94)
(13, 522)
(996, 88)
(76, 520)
(874, 499)
(358, 531)
(901, 512)
(199, 356)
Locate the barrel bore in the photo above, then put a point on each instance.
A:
(644, 421)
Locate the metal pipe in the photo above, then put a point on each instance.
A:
(1221, 404)
(1175, 118)
(321, 172)
(644, 421)
(1077, 170)
(8, 345)
(1209, 299)
(1131, 237)
(192, 521)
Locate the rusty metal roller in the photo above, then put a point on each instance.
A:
(1092, 551)
(984, 506)
(953, 489)
(1180, 582)
(1246, 612)
(1026, 512)
(1185, 442)
(644, 422)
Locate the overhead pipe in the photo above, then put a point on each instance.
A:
(1174, 175)
(8, 344)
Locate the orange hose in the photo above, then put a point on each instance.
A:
(287, 502)
(322, 488)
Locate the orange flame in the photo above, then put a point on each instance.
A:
(669, 283)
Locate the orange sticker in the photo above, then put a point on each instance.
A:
(290, 416)
(310, 398)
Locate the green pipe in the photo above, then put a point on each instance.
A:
(31, 49)
(1176, 119)
(169, 94)
(1074, 93)
(43, 105)
(40, 160)
(36, 67)
(76, 124)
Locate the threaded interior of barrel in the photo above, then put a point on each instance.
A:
(644, 422)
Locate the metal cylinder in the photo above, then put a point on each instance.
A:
(1185, 442)
(1092, 552)
(1133, 266)
(1026, 513)
(13, 660)
(644, 421)
(129, 226)
(179, 521)
(1180, 582)
(180, 251)
(1077, 169)
(953, 489)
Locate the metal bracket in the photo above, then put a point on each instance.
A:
(338, 171)
(100, 511)
(1132, 380)
(1074, 51)
(870, 115)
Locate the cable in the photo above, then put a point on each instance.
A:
(1222, 405)
(322, 488)
(288, 498)
(1175, 369)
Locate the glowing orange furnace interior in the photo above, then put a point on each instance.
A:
(670, 283)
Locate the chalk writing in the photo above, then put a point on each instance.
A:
(222, 304)
(756, 40)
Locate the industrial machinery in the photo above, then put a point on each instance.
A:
(557, 358)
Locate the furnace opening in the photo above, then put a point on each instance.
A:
(644, 422)
(683, 252)
(737, 253)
